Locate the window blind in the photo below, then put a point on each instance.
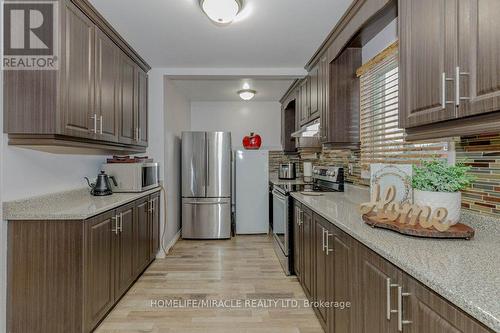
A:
(382, 141)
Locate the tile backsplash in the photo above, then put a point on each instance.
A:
(481, 152)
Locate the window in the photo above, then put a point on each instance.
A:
(382, 141)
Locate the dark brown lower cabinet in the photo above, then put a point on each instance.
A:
(378, 282)
(155, 225)
(323, 261)
(100, 284)
(382, 298)
(143, 238)
(307, 251)
(425, 311)
(298, 235)
(74, 272)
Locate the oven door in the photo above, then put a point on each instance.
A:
(280, 220)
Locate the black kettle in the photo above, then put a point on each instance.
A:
(101, 187)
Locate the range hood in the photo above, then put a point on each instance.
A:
(310, 130)
(308, 136)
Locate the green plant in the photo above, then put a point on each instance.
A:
(439, 176)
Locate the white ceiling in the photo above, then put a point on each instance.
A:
(222, 90)
(266, 34)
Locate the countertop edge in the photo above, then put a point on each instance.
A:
(471, 309)
(10, 216)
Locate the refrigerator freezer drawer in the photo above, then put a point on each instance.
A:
(206, 218)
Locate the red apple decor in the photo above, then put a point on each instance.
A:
(252, 141)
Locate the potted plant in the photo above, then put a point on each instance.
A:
(437, 184)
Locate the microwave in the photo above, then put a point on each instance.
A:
(133, 177)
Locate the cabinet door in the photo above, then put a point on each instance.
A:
(430, 313)
(127, 130)
(78, 115)
(343, 281)
(307, 250)
(142, 234)
(106, 91)
(155, 225)
(427, 61)
(378, 281)
(124, 249)
(322, 263)
(314, 90)
(324, 105)
(343, 119)
(297, 241)
(304, 104)
(142, 107)
(99, 267)
(479, 64)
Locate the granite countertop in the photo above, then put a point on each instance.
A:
(274, 179)
(467, 273)
(70, 205)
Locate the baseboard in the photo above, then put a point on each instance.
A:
(170, 245)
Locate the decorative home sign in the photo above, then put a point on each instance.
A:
(399, 176)
(385, 212)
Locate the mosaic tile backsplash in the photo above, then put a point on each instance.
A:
(481, 152)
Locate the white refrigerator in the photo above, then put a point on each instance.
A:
(251, 191)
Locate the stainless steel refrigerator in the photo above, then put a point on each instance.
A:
(206, 185)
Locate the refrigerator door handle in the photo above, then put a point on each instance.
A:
(206, 203)
(207, 152)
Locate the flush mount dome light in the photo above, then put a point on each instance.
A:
(221, 11)
(246, 93)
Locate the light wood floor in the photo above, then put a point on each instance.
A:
(245, 267)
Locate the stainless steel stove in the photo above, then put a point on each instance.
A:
(325, 179)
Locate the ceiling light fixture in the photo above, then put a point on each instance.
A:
(221, 11)
(246, 93)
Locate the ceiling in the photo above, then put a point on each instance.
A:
(225, 90)
(266, 34)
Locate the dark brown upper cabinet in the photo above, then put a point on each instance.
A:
(427, 61)
(96, 100)
(449, 78)
(288, 126)
(478, 69)
(304, 102)
(106, 93)
(314, 92)
(341, 124)
(142, 107)
(324, 95)
(77, 70)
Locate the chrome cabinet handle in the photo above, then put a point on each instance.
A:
(401, 322)
(100, 124)
(444, 79)
(121, 222)
(328, 235)
(115, 223)
(388, 286)
(457, 86)
(323, 240)
(94, 118)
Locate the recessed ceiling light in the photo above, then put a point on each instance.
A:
(221, 11)
(246, 93)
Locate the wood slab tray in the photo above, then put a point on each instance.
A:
(459, 230)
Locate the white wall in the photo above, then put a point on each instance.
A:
(177, 119)
(240, 118)
(382, 40)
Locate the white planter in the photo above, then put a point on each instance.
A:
(451, 201)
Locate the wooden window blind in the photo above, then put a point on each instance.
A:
(382, 141)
